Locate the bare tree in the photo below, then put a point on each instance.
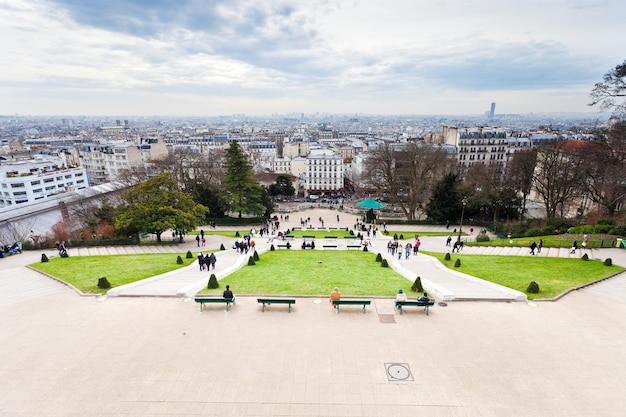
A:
(557, 178)
(613, 86)
(605, 168)
(407, 173)
(521, 171)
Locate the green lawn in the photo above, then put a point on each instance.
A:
(83, 272)
(356, 273)
(554, 275)
(552, 241)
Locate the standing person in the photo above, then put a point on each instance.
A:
(399, 250)
(585, 239)
(533, 246)
(203, 241)
(335, 295)
(198, 240)
(448, 240)
(212, 260)
(574, 247)
(229, 294)
(407, 251)
(417, 245)
(201, 261)
(539, 246)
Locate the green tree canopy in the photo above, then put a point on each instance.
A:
(283, 186)
(242, 190)
(156, 206)
(445, 202)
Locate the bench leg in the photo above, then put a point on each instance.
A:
(363, 308)
(227, 305)
(426, 310)
(289, 309)
(400, 308)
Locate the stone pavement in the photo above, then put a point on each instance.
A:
(66, 355)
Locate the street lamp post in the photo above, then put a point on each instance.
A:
(464, 202)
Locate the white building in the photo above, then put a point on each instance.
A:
(38, 178)
(324, 174)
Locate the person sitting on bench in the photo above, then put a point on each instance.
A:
(229, 294)
(401, 296)
(423, 298)
(335, 295)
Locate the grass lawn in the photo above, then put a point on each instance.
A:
(83, 271)
(356, 273)
(552, 241)
(554, 275)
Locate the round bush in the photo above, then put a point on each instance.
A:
(272, 247)
(384, 263)
(44, 258)
(103, 283)
(379, 258)
(401, 237)
(189, 255)
(222, 247)
(533, 288)
(213, 283)
(365, 248)
(457, 263)
(65, 255)
(255, 255)
(584, 257)
(608, 262)
(251, 261)
(237, 234)
(179, 260)
(447, 257)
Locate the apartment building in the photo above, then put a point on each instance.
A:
(324, 173)
(38, 178)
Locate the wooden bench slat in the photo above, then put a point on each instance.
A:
(364, 303)
(269, 301)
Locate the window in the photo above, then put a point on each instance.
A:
(35, 182)
(17, 185)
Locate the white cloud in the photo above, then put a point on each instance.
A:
(397, 56)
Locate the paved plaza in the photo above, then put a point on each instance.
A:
(132, 354)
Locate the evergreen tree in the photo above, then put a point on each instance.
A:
(243, 192)
(444, 202)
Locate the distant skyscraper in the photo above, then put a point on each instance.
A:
(492, 112)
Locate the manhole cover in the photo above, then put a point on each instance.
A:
(386, 318)
(398, 372)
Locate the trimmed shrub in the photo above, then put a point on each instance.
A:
(65, 255)
(44, 258)
(417, 285)
(103, 283)
(179, 260)
(447, 257)
(482, 237)
(584, 257)
(351, 232)
(251, 261)
(608, 262)
(384, 263)
(365, 248)
(533, 288)
(289, 245)
(457, 263)
(213, 283)
(401, 237)
(272, 247)
(222, 247)
(255, 255)
(379, 258)
(237, 233)
(189, 255)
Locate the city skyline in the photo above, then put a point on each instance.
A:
(259, 57)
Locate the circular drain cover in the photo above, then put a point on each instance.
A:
(398, 372)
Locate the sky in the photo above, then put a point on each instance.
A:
(261, 57)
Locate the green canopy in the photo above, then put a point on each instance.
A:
(370, 203)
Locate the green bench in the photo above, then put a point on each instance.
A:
(364, 303)
(269, 301)
(285, 246)
(353, 246)
(425, 304)
(329, 246)
(212, 300)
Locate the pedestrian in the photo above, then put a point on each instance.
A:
(585, 239)
(198, 240)
(533, 246)
(399, 250)
(407, 251)
(574, 247)
(448, 240)
(539, 246)
(417, 245)
(212, 260)
(201, 261)
(203, 241)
